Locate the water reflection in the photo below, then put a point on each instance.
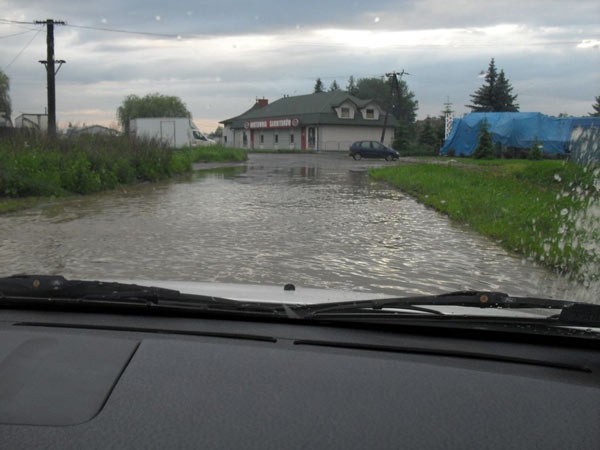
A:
(312, 220)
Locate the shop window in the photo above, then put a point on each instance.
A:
(277, 139)
(245, 139)
(291, 138)
(262, 138)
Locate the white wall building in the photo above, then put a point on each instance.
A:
(329, 121)
(36, 121)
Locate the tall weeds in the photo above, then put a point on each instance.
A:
(35, 166)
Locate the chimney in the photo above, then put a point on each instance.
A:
(262, 102)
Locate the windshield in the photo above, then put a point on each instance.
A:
(494, 112)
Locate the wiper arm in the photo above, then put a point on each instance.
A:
(20, 289)
(427, 304)
(53, 287)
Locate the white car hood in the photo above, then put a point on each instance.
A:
(259, 292)
(303, 295)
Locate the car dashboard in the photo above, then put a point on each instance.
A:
(99, 380)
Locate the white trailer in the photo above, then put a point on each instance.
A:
(176, 132)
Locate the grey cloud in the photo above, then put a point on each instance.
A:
(102, 68)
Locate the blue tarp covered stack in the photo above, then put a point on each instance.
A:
(516, 130)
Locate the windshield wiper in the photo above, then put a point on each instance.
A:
(21, 290)
(390, 307)
(57, 290)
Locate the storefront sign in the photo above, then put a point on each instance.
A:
(271, 123)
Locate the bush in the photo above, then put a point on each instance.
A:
(535, 152)
(35, 166)
(485, 146)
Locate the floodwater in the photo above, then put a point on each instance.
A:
(313, 220)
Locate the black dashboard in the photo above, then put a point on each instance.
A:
(91, 380)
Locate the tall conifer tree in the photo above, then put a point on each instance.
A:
(495, 95)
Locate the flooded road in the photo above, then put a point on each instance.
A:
(311, 220)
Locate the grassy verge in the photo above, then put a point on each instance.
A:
(183, 159)
(546, 210)
(32, 167)
(281, 150)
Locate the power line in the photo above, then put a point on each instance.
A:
(17, 34)
(89, 27)
(22, 50)
(457, 44)
(17, 22)
(115, 30)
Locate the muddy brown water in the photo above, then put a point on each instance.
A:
(313, 220)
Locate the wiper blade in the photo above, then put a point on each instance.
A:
(53, 287)
(20, 289)
(427, 304)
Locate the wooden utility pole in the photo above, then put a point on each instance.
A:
(395, 91)
(51, 71)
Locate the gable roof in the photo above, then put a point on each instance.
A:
(310, 108)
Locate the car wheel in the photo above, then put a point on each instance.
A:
(357, 156)
(388, 157)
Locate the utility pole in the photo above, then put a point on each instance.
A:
(51, 71)
(395, 87)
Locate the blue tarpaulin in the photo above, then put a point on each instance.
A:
(515, 130)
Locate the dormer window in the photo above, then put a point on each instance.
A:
(345, 113)
(370, 113)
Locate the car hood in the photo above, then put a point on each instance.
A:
(258, 292)
(303, 295)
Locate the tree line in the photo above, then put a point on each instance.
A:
(495, 95)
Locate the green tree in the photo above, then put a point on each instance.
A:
(334, 86)
(151, 105)
(428, 137)
(351, 87)
(495, 95)
(485, 145)
(505, 101)
(596, 107)
(319, 87)
(5, 106)
(379, 89)
(404, 108)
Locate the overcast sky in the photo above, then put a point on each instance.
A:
(219, 56)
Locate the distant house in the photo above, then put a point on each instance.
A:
(323, 121)
(34, 121)
(92, 129)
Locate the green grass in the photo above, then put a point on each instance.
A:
(546, 210)
(36, 167)
(183, 159)
(281, 150)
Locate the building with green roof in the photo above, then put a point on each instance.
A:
(329, 121)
